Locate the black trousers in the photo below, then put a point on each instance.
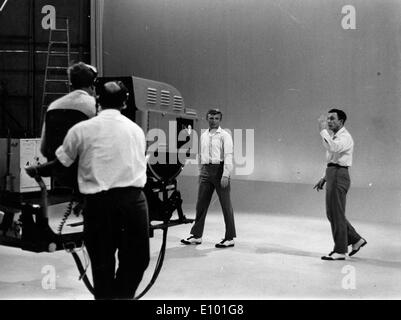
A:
(338, 184)
(209, 180)
(116, 221)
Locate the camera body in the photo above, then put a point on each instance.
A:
(170, 127)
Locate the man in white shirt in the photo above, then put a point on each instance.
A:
(82, 79)
(340, 147)
(216, 165)
(111, 174)
(63, 113)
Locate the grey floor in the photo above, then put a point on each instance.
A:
(275, 257)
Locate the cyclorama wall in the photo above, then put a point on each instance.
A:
(274, 67)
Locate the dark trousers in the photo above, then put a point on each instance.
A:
(117, 221)
(209, 180)
(337, 186)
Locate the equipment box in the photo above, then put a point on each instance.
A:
(15, 154)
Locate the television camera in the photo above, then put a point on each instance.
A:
(159, 109)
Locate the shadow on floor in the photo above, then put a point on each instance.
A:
(190, 251)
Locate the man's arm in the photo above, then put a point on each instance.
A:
(43, 141)
(44, 170)
(68, 151)
(319, 186)
(202, 141)
(340, 144)
(228, 155)
(66, 155)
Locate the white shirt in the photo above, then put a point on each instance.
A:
(76, 100)
(339, 146)
(217, 146)
(111, 150)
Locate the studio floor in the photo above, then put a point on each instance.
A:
(275, 257)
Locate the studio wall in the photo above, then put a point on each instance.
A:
(24, 40)
(275, 66)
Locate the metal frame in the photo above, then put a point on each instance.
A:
(97, 9)
(3, 5)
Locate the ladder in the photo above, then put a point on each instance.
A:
(56, 83)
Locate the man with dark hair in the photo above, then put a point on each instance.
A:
(111, 175)
(216, 165)
(339, 146)
(82, 80)
(82, 76)
(62, 114)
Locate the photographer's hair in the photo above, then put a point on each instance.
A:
(112, 95)
(81, 75)
(340, 114)
(213, 112)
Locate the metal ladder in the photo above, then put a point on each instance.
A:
(56, 83)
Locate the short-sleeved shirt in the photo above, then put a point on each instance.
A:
(111, 150)
(78, 100)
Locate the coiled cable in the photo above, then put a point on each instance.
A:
(66, 215)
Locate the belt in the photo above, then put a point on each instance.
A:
(213, 163)
(114, 190)
(336, 165)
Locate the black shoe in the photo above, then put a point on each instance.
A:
(356, 248)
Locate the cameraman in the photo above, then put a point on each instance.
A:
(111, 175)
(64, 113)
(82, 79)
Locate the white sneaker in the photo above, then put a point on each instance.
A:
(225, 243)
(335, 256)
(191, 240)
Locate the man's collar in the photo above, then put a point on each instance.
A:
(340, 131)
(109, 111)
(82, 91)
(218, 130)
